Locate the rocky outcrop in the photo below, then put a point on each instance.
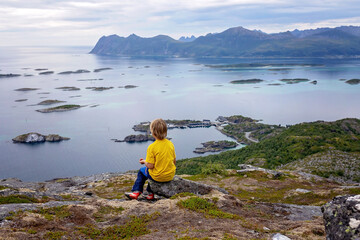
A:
(250, 168)
(38, 138)
(342, 218)
(213, 146)
(180, 185)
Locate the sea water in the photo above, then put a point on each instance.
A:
(170, 88)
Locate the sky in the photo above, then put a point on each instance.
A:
(82, 23)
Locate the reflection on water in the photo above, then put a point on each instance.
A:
(167, 88)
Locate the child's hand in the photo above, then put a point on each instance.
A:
(142, 161)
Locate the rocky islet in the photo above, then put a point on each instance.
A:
(34, 137)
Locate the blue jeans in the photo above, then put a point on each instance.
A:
(142, 176)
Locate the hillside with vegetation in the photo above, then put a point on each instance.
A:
(301, 141)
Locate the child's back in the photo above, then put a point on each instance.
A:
(160, 161)
(161, 153)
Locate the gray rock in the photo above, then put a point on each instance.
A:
(6, 209)
(180, 185)
(342, 218)
(300, 190)
(298, 212)
(279, 236)
(250, 168)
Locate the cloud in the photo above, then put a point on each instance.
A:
(77, 22)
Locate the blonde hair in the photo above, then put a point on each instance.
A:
(158, 128)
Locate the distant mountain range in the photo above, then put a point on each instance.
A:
(239, 42)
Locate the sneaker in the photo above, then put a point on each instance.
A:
(150, 196)
(132, 195)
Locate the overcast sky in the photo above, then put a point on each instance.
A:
(75, 22)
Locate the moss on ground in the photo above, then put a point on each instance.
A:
(53, 213)
(202, 205)
(136, 226)
(104, 211)
(115, 188)
(17, 199)
(57, 235)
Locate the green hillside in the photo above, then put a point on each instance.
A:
(294, 143)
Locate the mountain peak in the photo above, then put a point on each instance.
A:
(187, 39)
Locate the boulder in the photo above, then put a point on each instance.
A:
(342, 217)
(180, 185)
(279, 236)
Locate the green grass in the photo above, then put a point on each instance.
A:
(54, 235)
(17, 199)
(50, 214)
(32, 231)
(201, 205)
(135, 227)
(100, 215)
(213, 168)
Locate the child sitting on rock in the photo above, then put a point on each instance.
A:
(159, 163)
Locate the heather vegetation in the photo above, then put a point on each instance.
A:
(293, 143)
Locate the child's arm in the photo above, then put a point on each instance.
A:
(148, 165)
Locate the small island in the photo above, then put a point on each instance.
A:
(101, 69)
(26, 89)
(128, 86)
(46, 73)
(9, 75)
(247, 81)
(68, 88)
(213, 146)
(38, 138)
(90, 79)
(61, 108)
(294, 80)
(171, 124)
(99, 88)
(49, 102)
(136, 138)
(353, 81)
(74, 72)
(21, 100)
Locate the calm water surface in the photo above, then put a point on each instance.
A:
(167, 88)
